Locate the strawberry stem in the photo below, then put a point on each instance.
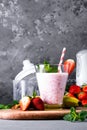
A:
(34, 94)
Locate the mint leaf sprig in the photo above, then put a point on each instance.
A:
(50, 68)
(8, 106)
(47, 67)
(74, 116)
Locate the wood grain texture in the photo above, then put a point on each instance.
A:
(35, 115)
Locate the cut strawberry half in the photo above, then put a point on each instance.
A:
(24, 103)
(69, 66)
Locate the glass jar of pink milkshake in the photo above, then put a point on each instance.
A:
(51, 83)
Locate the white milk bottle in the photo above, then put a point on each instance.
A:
(81, 67)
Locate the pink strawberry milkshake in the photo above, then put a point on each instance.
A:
(52, 86)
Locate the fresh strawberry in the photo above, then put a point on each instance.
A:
(82, 95)
(84, 102)
(74, 89)
(84, 88)
(69, 94)
(69, 65)
(37, 103)
(24, 103)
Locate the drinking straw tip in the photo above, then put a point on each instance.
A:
(62, 58)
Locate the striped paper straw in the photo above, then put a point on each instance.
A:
(61, 59)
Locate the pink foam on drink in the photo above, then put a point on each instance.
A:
(52, 87)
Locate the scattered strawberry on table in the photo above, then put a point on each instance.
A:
(37, 103)
(24, 103)
(74, 89)
(77, 96)
(29, 103)
(84, 88)
(82, 95)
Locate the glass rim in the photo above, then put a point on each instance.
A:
(51, 68)
(49, 64)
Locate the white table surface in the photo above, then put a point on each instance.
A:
(41, 125)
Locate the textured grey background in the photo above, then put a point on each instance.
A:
(38, 30)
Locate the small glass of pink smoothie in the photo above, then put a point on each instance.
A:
(51, 83)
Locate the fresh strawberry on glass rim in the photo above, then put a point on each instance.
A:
(69, 65)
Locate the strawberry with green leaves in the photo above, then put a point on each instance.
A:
(34, 102)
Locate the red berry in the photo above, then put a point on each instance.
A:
(24, 103)
(74, 89)
(69, 65)
(84, 102)
(37, 103)
(69, 94)
(84, 88)
(82, 95)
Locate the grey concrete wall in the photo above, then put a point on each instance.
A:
(38, 30)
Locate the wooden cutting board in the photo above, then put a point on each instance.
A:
(35, 115)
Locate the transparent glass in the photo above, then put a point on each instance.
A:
(25, 87)
(52, 82)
